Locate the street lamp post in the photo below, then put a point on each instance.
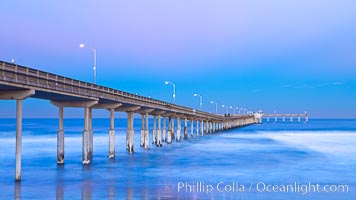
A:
(94, 68)
(233, 109)
(201, 100)
(174, 90)
(216, 106)
(227, 111)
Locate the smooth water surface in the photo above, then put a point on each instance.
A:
(235, 164)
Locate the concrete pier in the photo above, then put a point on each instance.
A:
(130, 131)
(191, 128)
(284, 116)
(18, 82)
(60, 138)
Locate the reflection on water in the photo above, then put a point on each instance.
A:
(17, 190)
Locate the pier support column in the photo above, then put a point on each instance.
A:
(206, 127)
(284, 118)
(159, 133)
(19, 95)
(60, 138)
(164, 131)
(18, 138)
(185, 129)
(173, 129)
(191, 128)
(86, 138)
(306, 118)
(299, 118)
(179, 124)
(197, 128)
(142, 139)
(91, 141)
(146, 136)
(154, 133)
(169, 135)
(291, 118)
(130, 131)
(202, 127)
(112, 134)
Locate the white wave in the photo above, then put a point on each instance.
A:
(336, 144)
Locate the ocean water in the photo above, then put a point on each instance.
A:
(280, 160)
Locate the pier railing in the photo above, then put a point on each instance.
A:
(32, 78)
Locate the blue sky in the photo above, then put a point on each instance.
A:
(283, 56)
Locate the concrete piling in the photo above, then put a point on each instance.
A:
(159, 133)
(112, 134)
(178, 129)
(154, 132)
(185, 129)
(130, 131)
(197, 128)
(146, 137)
(202, 127)
(85, 138)
(142, 138)
(169, 135)
(60, 138)
(172, 130)
(91, 140)
(18, 138)
(164, 131)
